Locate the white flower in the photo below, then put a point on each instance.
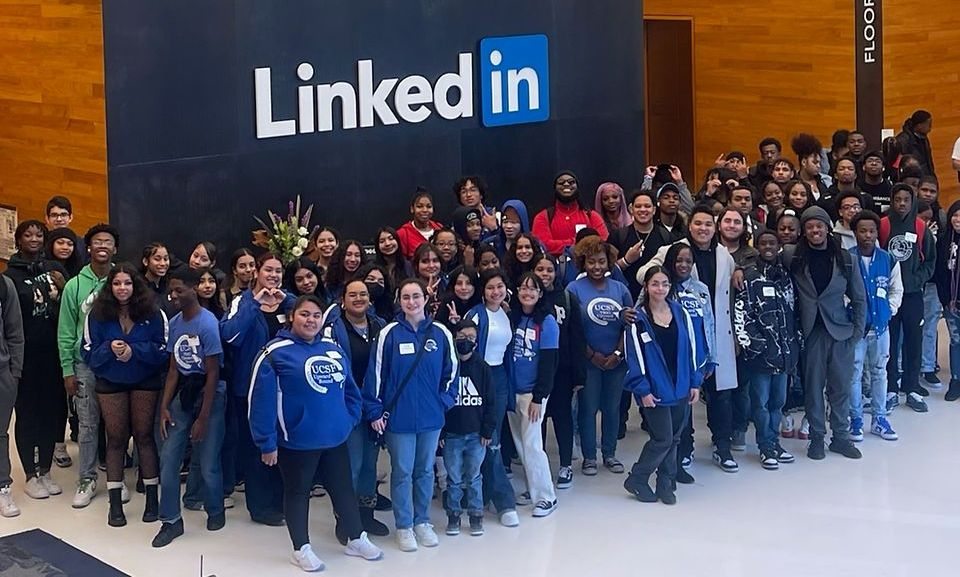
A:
(297, 251)
(302, 231)
(302, 243)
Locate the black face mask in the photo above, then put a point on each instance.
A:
(375, 290)
(464, 346)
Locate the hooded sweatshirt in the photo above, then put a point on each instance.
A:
(302, 395)
(557, 226)
(39, 301)
(147, 339)
(75, 302)
(500, 240)
(11, 328)
(902, 244)
(947, 273)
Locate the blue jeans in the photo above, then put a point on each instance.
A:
(88, 413)
(931, 320)
(462, 456)
(768, 393)
(363, 460)
(953, 327)
(206, 453)
(870, 357)
(496, 485)
(600, 393)
(412, 456)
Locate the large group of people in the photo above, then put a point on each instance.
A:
(769, 289)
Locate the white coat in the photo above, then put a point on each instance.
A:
(726, 354)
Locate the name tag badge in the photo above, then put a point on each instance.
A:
(193, 341)
(282, 319)
(407, 349)
(769, 291)
(910, 236)
(645, 337)
(882, 293)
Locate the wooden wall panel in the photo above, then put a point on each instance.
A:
(921, 69)
(770, 68)
(52, 114)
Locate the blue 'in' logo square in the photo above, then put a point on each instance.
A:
(514, 80)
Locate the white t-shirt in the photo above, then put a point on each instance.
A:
(426, 234)
(956, 150)
(499, 335)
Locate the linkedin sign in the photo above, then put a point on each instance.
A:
(222, 109)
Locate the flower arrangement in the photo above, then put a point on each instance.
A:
(287, 237)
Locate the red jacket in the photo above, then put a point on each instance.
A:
(410, 238)
(562, 231)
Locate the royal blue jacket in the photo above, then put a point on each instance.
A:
(147, 338)
(245, 332)
(883, 286)
(302, 395)
(647, 370)
(432, 388)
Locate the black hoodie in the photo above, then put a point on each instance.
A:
(902, 245)
(39, 301)
(947, 275)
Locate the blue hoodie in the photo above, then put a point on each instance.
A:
(499, 241)
(245, 331)
(432, 388)
(302, 395)
(647, 370)
(148, 339)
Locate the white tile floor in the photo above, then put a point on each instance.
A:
(896, 512)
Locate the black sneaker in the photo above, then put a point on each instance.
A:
(666, 495)
(915, 401)
(845, 448)
(953, 393)
(453, 525)
(725, 461)
(476, 525)
(683, 477)
(639, 489)
(565, 478)
(932, 380)
(782, 455)
(168, 532)
(269, 519)
(216, 522)
(768, 460)
(816, 450)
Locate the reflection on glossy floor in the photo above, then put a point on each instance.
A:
(896, 512)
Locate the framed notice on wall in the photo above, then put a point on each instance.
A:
(8, 226)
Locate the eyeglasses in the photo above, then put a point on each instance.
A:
(850, 207)
(528, 289)
(447, 244)
(58, 215)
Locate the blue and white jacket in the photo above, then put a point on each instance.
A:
(335, 328)
(647, 370)
(147, 339)
(302, 395)
(883, 286)
(694, 297)
(245, 331)
(433, 386)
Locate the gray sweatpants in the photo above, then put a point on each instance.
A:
(828, 366)
(8, 398)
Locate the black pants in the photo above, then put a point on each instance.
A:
(297, 469)
(719, 413)
(906, 323)
(41, 408)
(740, 400)
(264, 488)
(560, 409)
(660, 452)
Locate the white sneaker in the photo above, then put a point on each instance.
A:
(86, 489)
(7, 507)
(228, 503)
(509, 518)
(50, 485)
(544, 508)
(35, 489)
(362, 547)
(406, 540)
(124, 494)
(306, 559)
(425, 535)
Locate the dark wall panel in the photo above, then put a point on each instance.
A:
(185, 163)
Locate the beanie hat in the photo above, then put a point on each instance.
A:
(59, 233)
(815, 213)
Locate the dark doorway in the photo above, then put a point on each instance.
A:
(669, 88)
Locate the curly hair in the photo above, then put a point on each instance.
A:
(590, 246)
(805, 145)
(514, 267)
(143, 302)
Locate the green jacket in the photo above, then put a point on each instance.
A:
(75, 303)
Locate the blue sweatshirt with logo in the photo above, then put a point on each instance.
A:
(302, 395)
(535, 345)
(245, 332)
(600, 311)
(432, 387)
(147, 339)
